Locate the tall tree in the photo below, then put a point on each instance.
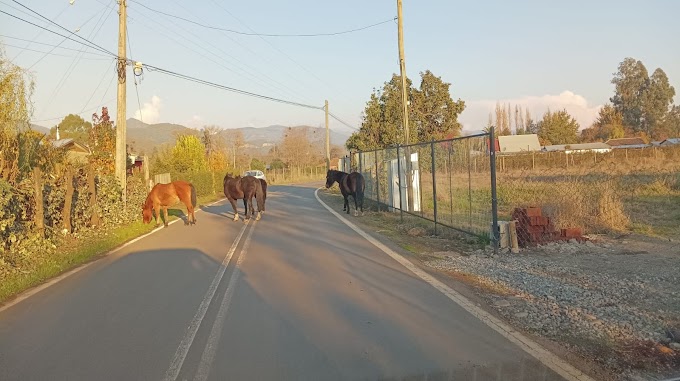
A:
(656, 102)
(102, 142)
(558, 128)
(642, 100)
(188, 154)
(296, 147)
(74, 127)
(433, 114)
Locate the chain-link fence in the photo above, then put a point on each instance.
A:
(446, 182)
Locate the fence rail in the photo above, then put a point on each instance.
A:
(449, 182)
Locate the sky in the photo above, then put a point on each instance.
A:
(537, 54)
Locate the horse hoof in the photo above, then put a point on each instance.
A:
(258, 217)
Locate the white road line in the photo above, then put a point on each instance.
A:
(213, 340)
(195, 324)
(32, 291)
(546, 357)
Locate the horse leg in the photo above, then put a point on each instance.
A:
(356, 208)
(190, 214)
(157, 209)
(233, 205)
(252, 209)
(346, 205)
(165, 213)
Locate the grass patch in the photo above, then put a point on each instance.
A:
(75, 252)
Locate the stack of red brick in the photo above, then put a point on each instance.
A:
(534, 228)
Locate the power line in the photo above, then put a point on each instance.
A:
(62, 117)
(53, 54)
(228, 88)
(342, 121)
(45, 44)
(92, 46)
(61, 27)
(264, 34)
(98, 85)
(39, 33)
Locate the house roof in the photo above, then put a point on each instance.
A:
(70, 145)
(671, 141)
(518, 143)
(577, 147)
(626, 142)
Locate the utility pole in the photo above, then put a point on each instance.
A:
(404, 105)
(328, 139)
(121, 138)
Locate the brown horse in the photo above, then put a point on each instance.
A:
(244, 188)
(165, 195)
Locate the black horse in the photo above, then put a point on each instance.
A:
(351, 184)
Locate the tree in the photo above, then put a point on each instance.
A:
(296, 148)
(102, 143)
(188, 154)
(433, 114)
(16, 88)
(642, 100)
(235, 142)
(670, 126)
(608, 125)
(558, 128)
(74, 127)
(656, 102)
(257, 164)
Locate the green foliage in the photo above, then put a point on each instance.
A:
(74, 127)
(188, 154)
(433, 114)
(277, 164)
(643, 101)
(558, 128)
(608, 125)
(257, 164)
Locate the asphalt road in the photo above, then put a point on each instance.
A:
(297, 295)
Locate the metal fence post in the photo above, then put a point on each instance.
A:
(494, 196)
(401, 203)
(377, 180)
(434, 186)
(361, 159)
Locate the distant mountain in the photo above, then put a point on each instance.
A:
(144, 137)
(41, 129)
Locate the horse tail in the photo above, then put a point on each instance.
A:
(194, 201)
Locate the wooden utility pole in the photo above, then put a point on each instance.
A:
(121, 138)
(404, 105)
(328, 139)
(402, 71)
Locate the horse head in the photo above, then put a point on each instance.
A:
(330, 178)
(147, 212)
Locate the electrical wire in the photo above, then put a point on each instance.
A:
(61, 27)
(62, 117)
(134, 78)
(228, 88)
(342, 121)
(98, 85)
(53, 54)
(39, 33)
(93, 46)
(264, 34)
(50, 45)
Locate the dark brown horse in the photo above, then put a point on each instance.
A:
(244, 188)
(164, 195)
(351, 184)
(263, 183)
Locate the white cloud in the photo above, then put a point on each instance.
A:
(476, 114)
(195, 122)
(151, 111)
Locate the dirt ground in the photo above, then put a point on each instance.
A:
(611, 306)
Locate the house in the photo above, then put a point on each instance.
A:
(137, 164)
(670, 142)
(627, 143)
(75, 152)
(518, 143)
(578, 148)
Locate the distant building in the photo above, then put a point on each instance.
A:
(578, 148)
(627, 143)
(75, 152)
(518, 143)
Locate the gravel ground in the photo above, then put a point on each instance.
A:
(588, 296)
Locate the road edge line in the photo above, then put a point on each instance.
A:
(51, 282)
(543, 355)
